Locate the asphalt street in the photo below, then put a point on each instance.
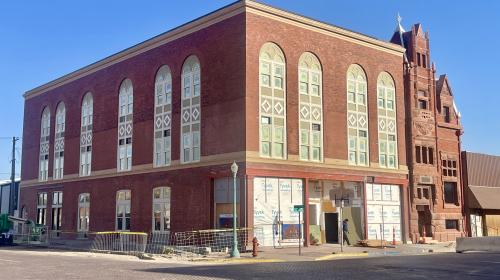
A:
(21, 264)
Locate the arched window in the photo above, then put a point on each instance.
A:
(357, 116)
(191, 110)
(125, 125)
(43, 165)
(310, 108)
(161, 209)
(272, 100)
(387, 128)
(123, 198)
(83, 213)
(163, 117)
(86, 135)
(59, 141)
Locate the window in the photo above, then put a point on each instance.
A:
(57, 201)
(310, 112)
(422, 104)
(161, 209)
(450, 192)
(41, 208)
(424, 154)
(419, 60)
(272, 100)
(163, 117)
(43, 166)
(449, 167)
(125, 126)
(446, 112)
(357, 116)
(191, 111)
(387, 126)
(86, 135)
(422, 100)
(452, 224)
(83, 212)
(59, 141)
(424, 60)
(123, 198)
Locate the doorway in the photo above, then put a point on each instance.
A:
(424, 221)
(332, 227)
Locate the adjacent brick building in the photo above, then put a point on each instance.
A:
(481, 180)
(312, 113)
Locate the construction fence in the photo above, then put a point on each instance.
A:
(187, 244)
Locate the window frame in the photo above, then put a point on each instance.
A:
(125, 126)
(310, 112)
(57, 206)
(41, 207)
(276, 140)
(163, 201)
(58, 168)
(387, 115)
(358, 145)
(44, 159)
(190, 132)
(83, 205)
(162, 122)
(127, 203)
(86, 130)
(454, 196)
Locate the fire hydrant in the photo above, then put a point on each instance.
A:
(255, 244)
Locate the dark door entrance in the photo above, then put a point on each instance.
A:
(332, 227)
(424, 221)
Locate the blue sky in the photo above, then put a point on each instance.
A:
(43, 40)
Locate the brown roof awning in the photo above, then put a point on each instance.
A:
(484, 198)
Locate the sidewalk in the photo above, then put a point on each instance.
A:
(333, 251)
(289, 253)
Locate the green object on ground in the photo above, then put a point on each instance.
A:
(5, 223)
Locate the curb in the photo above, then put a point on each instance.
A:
(236, 261)
(341, 255)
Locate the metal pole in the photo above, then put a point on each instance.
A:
(235, 253)
(341, 226)
(300, 236)
(13, 178)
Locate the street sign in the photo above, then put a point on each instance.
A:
(298, 208)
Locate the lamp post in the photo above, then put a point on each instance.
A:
(234, 253)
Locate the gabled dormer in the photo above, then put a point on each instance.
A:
(448, 112)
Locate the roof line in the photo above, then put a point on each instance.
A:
(215, 16)
(133, 48)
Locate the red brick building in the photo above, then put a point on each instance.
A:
(312, 113)
(433, 141)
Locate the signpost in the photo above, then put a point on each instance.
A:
(299, 209)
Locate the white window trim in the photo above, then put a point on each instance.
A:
(386, 83)
(59, 142)
(278, 53)
(125, 202)
(83, 205)
(57, 206)
(43, 158)
(161, 201)
(163, 115)
(188, 70)
(86, 129)
(313, 60)
(360, 74)
(41, 207)
(125, 126)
